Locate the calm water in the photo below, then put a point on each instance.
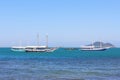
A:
(60, 65)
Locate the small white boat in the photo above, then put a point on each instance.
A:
(18, 48)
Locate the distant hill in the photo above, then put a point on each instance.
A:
(97, 44)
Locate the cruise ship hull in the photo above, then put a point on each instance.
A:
(94, 49)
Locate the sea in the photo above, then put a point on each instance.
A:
(61, 64)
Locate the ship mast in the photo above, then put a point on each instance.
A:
(20, 43)
(47, 40)
(38, 38)
(100, 44)
(92, 45)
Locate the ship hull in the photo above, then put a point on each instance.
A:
(95, 49)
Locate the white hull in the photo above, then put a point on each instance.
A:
(41, 50)
(18, 48)
(94, 49)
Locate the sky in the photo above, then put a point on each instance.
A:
(67, 22)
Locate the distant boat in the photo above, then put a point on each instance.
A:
(18, 48)
(71, 49)
(93, 48)
(40, 48)
(34, 48)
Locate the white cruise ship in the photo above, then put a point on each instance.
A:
(93, 48)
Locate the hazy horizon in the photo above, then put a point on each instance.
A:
(67, 22)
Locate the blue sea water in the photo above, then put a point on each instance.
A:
(60, 65)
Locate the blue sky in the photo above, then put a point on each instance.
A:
(67, 22)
